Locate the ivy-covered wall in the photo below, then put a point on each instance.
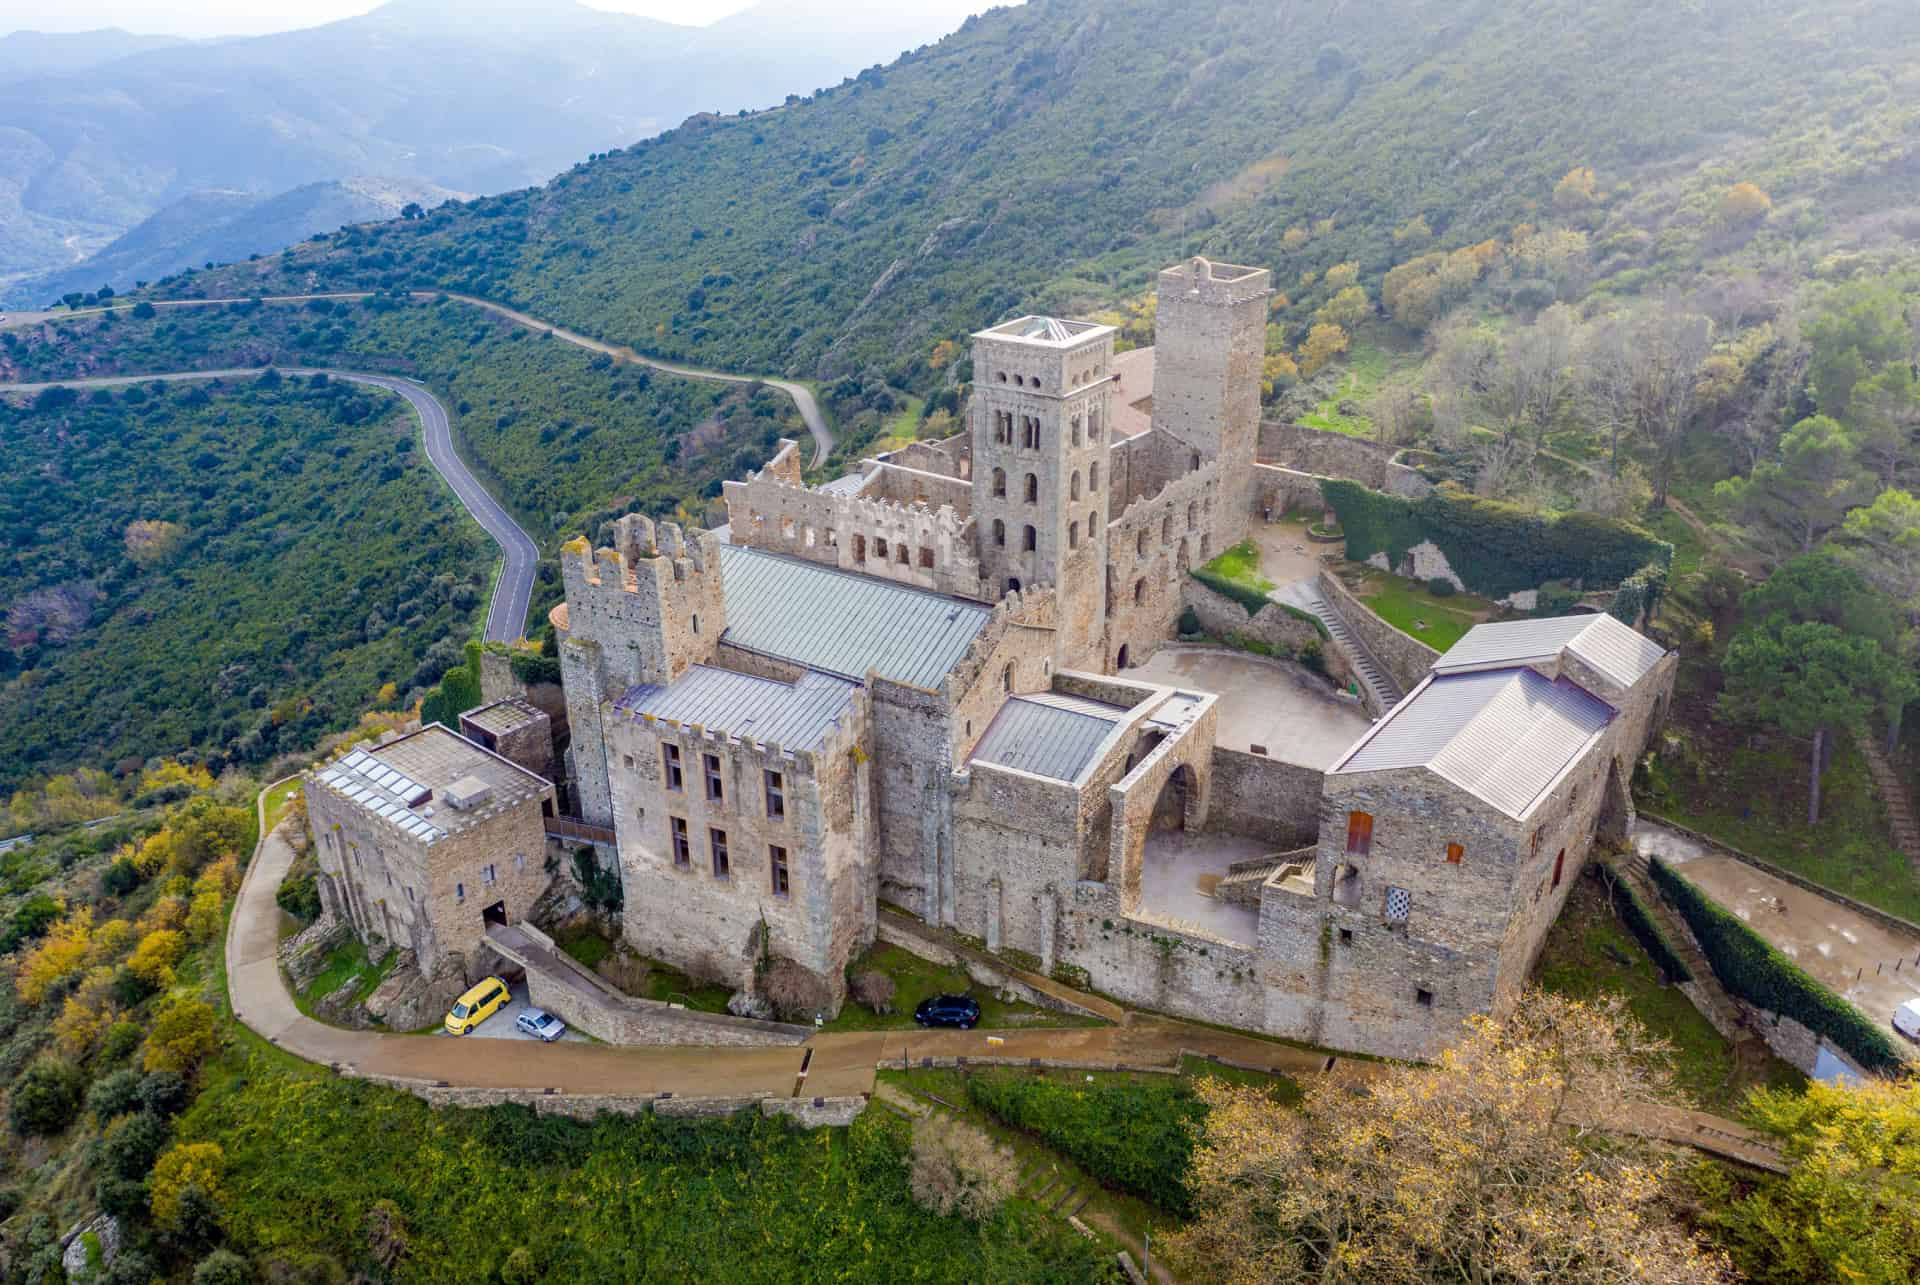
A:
(1495, 548)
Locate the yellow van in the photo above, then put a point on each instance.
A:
(476, 1006)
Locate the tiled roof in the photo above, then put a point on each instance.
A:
(1503, 735)
(844, 624)
(1054, 737)
(1614, 649)
(793, 715)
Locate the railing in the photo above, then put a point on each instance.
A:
(573, 828)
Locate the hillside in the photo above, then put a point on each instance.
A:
(39, 53)
(1052, 155)
(472, 95)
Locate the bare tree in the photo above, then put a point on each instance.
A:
(1645, 378)
(954, 1168)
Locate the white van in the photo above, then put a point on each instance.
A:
(1906, 1019)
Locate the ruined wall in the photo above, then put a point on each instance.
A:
(706, 922)
(1159, 967)
(1016, 841)
(1135, 798)
(1278, 490)
(1265, 799)
(1275, 626)
(950, 456)
(1406, 660)
(1150, 549)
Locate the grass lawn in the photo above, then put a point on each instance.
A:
(901, 429)
(1410, 608)
(1589, 953)
(916, 979)
(1366, 366)
(347, 962)
(1241, 564)
(277, 800)
(1688, 549)
(1755, 798)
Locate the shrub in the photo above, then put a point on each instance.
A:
(164, 1093)
(181, 1036)
(1639, 595)
(121, 1039)
(956, 1169)
(299, 896)
(795, 991)
(45, 1100)
(223, 1267)
(1761, 975)
(186, 1167)
(1190, 626)
(1640, 922)
(132, 1143)
(599, 887)
(1441, 587)
(1494, 548)
(114, 1094)
(1136, 1137)
(872, 988)
(153, 959)
(121, 878)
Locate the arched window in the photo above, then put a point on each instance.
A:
(1006, 679)
(902, 554)
(1140, 543)
(1033, 489)
(1003, 376)
(1073, 538)
(1193, 515)
(1013, 584)
(1193, 462)
(1093, 424)
(1359, 833)
(1093, 524)
(1030, 432)
(999, 484)
(1139, 591)
(999, 532)
(1076, 430)
(1093, 477)
(1073, 487)
(1166, 529)
(1030, 540)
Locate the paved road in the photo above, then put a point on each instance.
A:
(512, 594)
(803, 398)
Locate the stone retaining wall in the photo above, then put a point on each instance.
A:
(1275, 626)
(810, 1113)
(1406, 660)
(1264, 798)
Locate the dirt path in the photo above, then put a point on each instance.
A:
(802, 397)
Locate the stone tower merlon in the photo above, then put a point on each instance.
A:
(643, 610)
(1210, 342)
(1041, 418)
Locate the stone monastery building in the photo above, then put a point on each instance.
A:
(927, 684)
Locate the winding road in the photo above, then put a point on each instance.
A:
(512, 593)
(802, 397)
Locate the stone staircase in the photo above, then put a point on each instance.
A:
(1306, 595)
(1899, 803)
(1242, 883)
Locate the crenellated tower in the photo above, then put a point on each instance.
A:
(641, 611)
(1210, 341)
(1042, 401)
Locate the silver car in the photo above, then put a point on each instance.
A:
(540, 1024)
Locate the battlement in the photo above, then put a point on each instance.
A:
(642, 557)
(651, 603)
(1035, 607)
(1220, 284)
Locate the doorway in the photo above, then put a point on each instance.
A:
(495, 914)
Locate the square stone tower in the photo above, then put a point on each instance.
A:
(1210, 341)
(1042, 408)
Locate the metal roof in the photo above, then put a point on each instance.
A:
(1045, 738)
(503, 716)
(792, 715)
(1614, 649)
(1503, 736)
(842, 623)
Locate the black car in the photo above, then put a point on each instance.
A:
(948, 1010)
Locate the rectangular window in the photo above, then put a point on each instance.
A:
(628, 760)
(1399, 906)
(1559, 866)
(716, 791)
(670, 755)
(722, 868)
(487, 875)
(1346, 936)
(459, 892)
(777, 857)
(519, 863)
(1424, 998)
(682, 849)
(1455, 853)
(776, 795)
(1359, 833)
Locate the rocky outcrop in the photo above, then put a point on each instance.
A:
(407, 1001)
(105, 1231)
(304, 955)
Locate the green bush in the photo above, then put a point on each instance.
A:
(223, 1267)
(114, 1094)
(299, 896)
(458, 692)
(1639, 922)
(1494, 548)
(121, 878)
(45, 1099)
(1747, 966)
(1639, 594)
(1190, 626)
(531, 669)
(1441, 587)
(1137, 1137)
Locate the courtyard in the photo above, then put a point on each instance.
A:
(1290, 713)
(1179, 871)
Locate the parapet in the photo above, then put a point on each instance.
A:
(1201, 280)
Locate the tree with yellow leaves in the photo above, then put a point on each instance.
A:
(199, 1166)
(1347, 309)
(61, 954)
(167, 912)
(1295, 237)
(943, 354)
(169, 773)
(180, 1037)
(87, 1014)
(1342, 275)
(110, 941)
(1324, 342)
(153, 959)
(1577, 191)
(1744, 206)
(1277, 372)
(1475, 1168)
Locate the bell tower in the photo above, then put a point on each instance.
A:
(1041, 414)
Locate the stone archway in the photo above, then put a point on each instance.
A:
(1123, 660)
(1175, 797)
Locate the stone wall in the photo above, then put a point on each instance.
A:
(1275, 626)
(1161, 967)
(1210, 335)
(815, 1113)
(1326, 454)
(1281, 490)
(1406, 660)
(950, 456)
(1265, 799)
(1150, 550)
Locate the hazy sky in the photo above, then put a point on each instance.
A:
(255, 17)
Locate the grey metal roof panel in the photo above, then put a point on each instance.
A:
(1077, 704)
(1044, 739)
(842, 623)
(793, 715)
(1619, 652)
(1502, 735)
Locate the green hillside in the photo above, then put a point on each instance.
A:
(1052, 155)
